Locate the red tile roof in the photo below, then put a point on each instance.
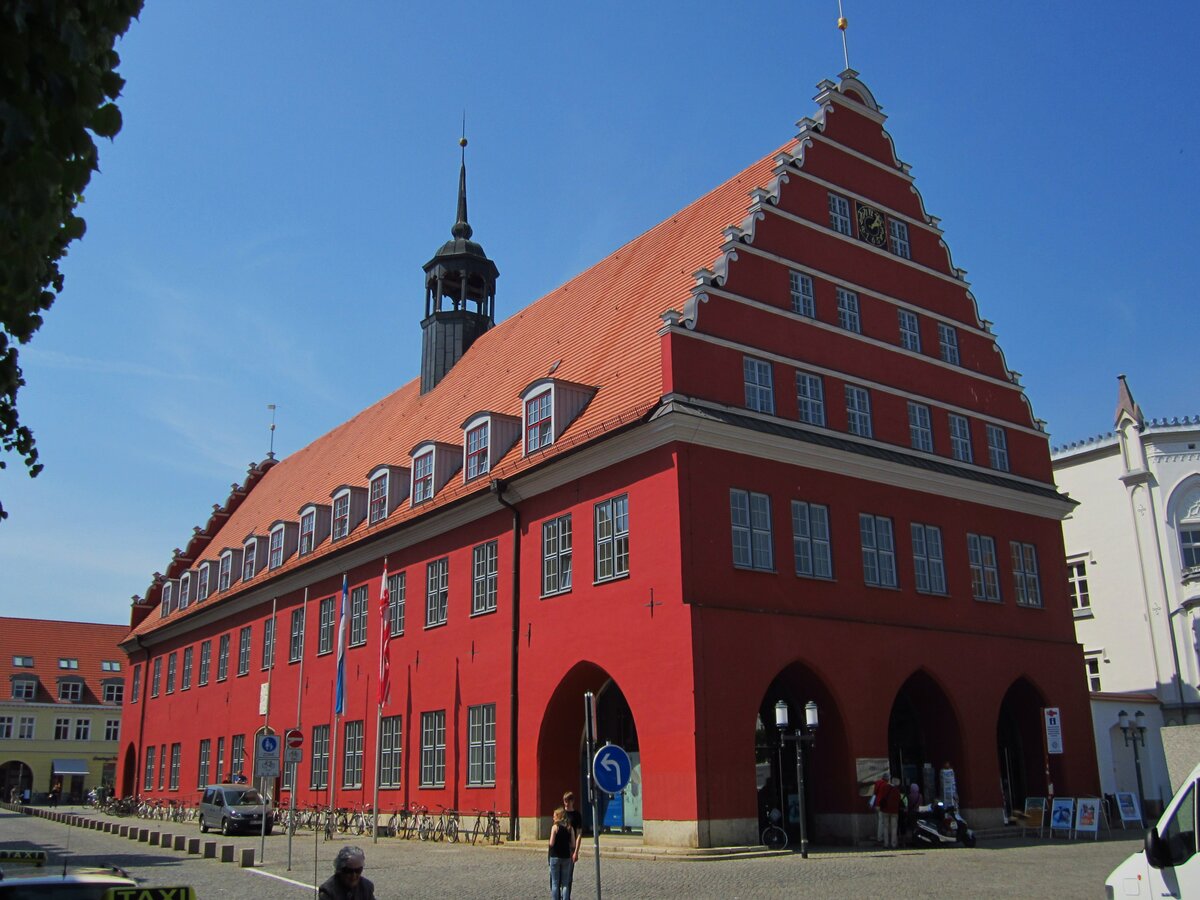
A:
(600, 327)
(47, 641)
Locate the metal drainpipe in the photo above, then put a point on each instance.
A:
(498, 487)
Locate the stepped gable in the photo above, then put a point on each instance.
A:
(601, 328)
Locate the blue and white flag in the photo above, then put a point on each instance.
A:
(340, 697)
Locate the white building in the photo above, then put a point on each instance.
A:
(1133, 562)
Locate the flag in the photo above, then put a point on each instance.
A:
(340, 697)
(385, 640)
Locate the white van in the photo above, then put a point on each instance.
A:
(1168, 866)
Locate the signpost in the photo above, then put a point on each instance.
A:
(266, 756)
(293, 752)
(1054, 738)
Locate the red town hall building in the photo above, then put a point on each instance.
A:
(768, 450)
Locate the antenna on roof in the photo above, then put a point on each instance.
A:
(271, 452)
(842, 23)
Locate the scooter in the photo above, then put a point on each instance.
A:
(939, 825)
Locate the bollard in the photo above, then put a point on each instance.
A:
(180, 842)
(227, 853)
(247, 858)
(166, 840)
(193, 845)
(154, 836)
(210, 849)
(143, 835)
(122, 831)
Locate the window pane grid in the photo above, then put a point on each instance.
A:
(477, 451)
(928, 562)
(390, 751)
(878, 550)
(847, 302)
(802, 295)
(910, 330)
(997, 448)
(985, 577)
(839, 214)
(760, 390)
(858, 411)
(422, 489)
(433, 748)
(556, 555)
(358, 616)
(920, 430)
(325, 626)
(948, 343)
(810, 398)
(481, 745)
(352, 755)
(1025, 574)
(538, 422)
(898, 238)
(397, 587)
(810, 540)
(437, 591)
(612, 538)
(750, 516)
(484, 577)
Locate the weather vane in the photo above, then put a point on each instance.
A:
(271, 452)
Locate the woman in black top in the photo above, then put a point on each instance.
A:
(562, 847)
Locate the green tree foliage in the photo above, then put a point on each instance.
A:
(57, 82)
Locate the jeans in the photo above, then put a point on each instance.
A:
(561, 871)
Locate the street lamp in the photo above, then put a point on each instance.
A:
(1138, 736)
(805, 734)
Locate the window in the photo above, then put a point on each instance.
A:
(156, 678)
(171, 665)
(325, 626)
(751, 517)
(202, 768)
(341, 515)
(760, 391)
(920, 431)
(858, 411)
(960, 438)
(910, 330)
(185, 680)
(268, 653)
(23, 662)
(481, 744)
(985, 578)
(397, 586)
(71, 691)
(296, 645)
(898, 238)
(847, 303)
(878, 550)
(352, 755)
(810, 398)
(390, 761)
(1179, 835)
(997, 448)
(1189, 546)
(136, 690)
(319, 778)
(378, 509)
(68, 664)
(287, 781)
(275, 554)
(249, 558)
(83, 729)
(237, 754)
(928, 561)
(185, 590)
(24, 688)
(114, 692)
(358, 616)
(839, 214)
(477, 450)
(27, 724)
(433, 748)
(176, 753)
(1081, 601)
(202, 582)
(166, 604)
(422, 487)
(948, 343)
(112, 730)
(6, 728)
(1025, 574)
(810, 540)
(223, 658)
(538, 422)
(612, 538)
(220, 758)
(162, 766)
(802, 295)
(556, 555)
(148, 778)
(110, 665)
(62, 729)
(205, 662)
(1091, 665)
(225, 572)
(244, 651)
(308, 532)
(483, 582)
(437, 591)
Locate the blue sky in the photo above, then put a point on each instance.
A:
(257, 231)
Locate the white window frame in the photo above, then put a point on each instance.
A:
(378, 510)
(225, 571)
(759, 384)
(205, 663)
(898, 238)
(249, 559)
(185, 675)
(275, 552)
(24, 688)
(476, 449)
(753, 540)
(422, 477)
(481, 745)
(358, 615)
(1077, 583)
(245, 636)
(839, 214)
(910, 329)
(352, 754)
(308, 532)
(202, 585)
(484, 577)
(166, 604)
(848, 314)
(948, 343)
(810, 398)
(1091, 670)
(960, 438)
(437, 592)
(319, 774)
(858, 411)
(558, 543)
(341, 515)
(1026, 582)
(268, 644)
(223, 648)
(929, 559)
(296, 639)
(985, 572)
(27, 728)
(433, 748)
(172, 666)
(920, 427)
(539, 421)
(325, 623)
(185, 590)
(611, 533)
(70, 691)
(878, 550)
(997, 441)
(397, 591)
(391, 751)
(812, 547)
(803, 302)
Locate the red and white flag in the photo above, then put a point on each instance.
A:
(385, 640)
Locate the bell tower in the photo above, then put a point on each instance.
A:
(460, 295)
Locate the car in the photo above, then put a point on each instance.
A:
(232, 808)
(78, 884)
(1167, 865)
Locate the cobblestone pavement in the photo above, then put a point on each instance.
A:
(1007, 867)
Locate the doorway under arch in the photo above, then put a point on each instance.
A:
(128, 785)
(923, 733)
(1019, 745)
(15, 774)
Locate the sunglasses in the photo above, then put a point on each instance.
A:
(350, 871)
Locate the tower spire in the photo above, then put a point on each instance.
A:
(462, 228)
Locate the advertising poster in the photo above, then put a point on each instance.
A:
(1127, 804)
(1087, 814)
(1062, 813)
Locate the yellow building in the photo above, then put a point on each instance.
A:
(60, 714)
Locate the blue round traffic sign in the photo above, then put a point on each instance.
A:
(611, 769)
(270, 743)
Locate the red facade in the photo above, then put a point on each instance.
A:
(690, 398)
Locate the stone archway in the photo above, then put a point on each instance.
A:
(15, 774)
(923, 733)
(1019, 744)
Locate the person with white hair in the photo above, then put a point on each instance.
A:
(347, 882)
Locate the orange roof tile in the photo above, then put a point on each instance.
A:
(601, 327)
(48, 641)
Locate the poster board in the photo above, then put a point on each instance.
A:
(1087, 816)
(1129, 808)
(1034, 815)
(1062, 814)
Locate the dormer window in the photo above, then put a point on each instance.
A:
(550, 406)
(539, 422)
(379, 498)
(477, 450)
(110, 665)
(225, 574)
(24, 688)
(275, 556)
(341, 515)
(487, 437)
(308, 532)
(70, 689)
(65, 663)
(202, 585)
(185, 590)
(249, 559)
(23, 662)
(168, 598)
(422, 478)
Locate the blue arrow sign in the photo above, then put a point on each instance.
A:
(611, 769)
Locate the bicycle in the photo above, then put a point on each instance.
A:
(774, 837)
(447, 825)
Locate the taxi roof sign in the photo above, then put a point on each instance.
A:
(33, 857)
(150, 893)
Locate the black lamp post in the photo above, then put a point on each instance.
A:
(1138, 736)
(805, 734)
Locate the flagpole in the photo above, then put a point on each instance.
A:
(339, 697)
(384, 626)
(262, 851)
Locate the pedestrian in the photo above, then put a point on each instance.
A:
(14, 795)
(576, 820)
(915, 799)
(347, 882)
(55, 793)
(881, 786)
(891, 803)
(948, 785)
(562, 846)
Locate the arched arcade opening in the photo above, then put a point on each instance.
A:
(1019, 745)
(923, 734)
